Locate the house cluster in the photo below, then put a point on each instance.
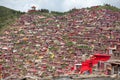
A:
(46, 45)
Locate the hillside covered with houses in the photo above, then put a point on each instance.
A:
(41, 44)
